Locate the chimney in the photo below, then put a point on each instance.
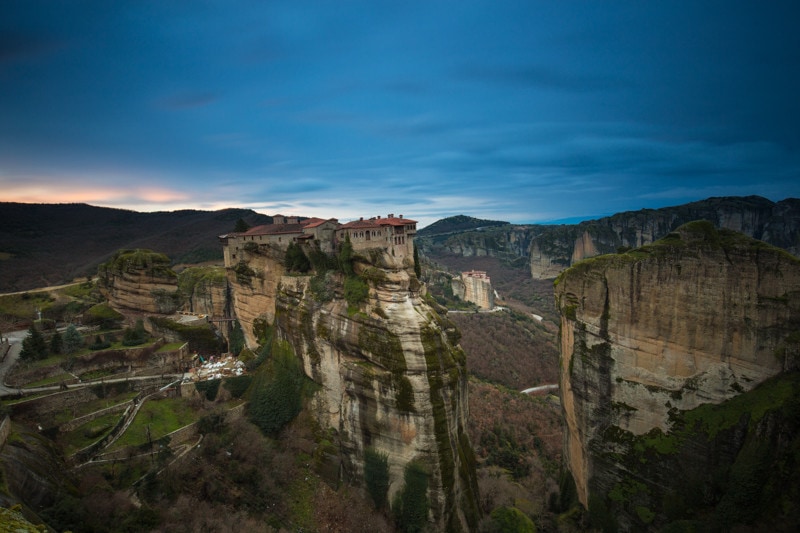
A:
(379, 217)
(391, 215)
(361, 218)
(401, 216)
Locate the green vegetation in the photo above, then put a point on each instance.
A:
(376, 476)
(208, 389)
(244, 274)
(129, 261)
(411, 504)
(195, 281)
(103, 316)
(199, 338)
(136, 335)
(276, 396)
(510, 520)
(34, 347)
(236, 338)
(155, 419)
(237, 385)
(296, 260)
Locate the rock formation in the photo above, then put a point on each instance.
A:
(649, 339)
(554, 248)
(141, 281)
(476, 287)
(392, 377)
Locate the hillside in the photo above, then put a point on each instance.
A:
(48, 244)
(458, 223)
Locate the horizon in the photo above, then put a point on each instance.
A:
(529, 111)
(421, 223)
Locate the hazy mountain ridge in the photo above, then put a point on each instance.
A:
(549, 249)
(47, 244)
(458, 223)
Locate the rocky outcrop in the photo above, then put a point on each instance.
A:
(392, 377)
(649, 338)
(139, 281)
(476, 287)
(554, 248)
(510, 244)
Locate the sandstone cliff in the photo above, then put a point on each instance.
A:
(392, 377)
(141, 281)
(554, 248)
(649, 338)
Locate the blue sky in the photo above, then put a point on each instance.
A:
(528, 111)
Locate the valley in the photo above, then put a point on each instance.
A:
(356, 371)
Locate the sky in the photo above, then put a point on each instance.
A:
(532, 111)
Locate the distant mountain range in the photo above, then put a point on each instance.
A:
(49, 244)
(547, 249)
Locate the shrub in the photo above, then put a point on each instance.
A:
(296, 260)
(208, 388)
(237, 385)
(510, 520)
(356, 290)
(135, 335)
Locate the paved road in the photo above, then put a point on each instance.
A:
(541, 388)
(15, 337)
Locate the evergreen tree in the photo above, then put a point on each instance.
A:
(241, 226)
(34, 346)
(346, 256)
(276, 396)
(376, 476)
(296, 260)
(411, 504)
(56, 343)
(236, 339)
(73, 340)
(417, 266)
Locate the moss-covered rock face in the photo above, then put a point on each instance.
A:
(663, 350)
(390, 379)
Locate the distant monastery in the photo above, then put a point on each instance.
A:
(475, 286)
(394, 235)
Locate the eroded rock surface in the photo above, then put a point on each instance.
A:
(699, 317)
(392, 375)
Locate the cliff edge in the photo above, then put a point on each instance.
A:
(650, 339)
(391, 376)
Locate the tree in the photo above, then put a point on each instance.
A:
(296, 260)
(417, 266)
(34, 346)
(56, 343)
(236, 338)
(277, 390)
(376, 476)
(241, 226)
(411, 504)
(73, 340)
(346, 256)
